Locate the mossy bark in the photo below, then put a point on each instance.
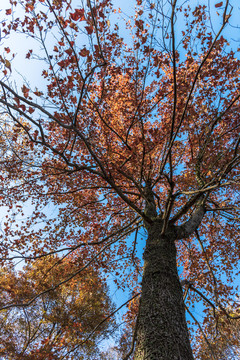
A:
(162, 332)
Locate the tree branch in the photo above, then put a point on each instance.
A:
(190, 226)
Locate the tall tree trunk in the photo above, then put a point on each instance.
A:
(162, 332)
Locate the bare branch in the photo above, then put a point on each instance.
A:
(190, 226)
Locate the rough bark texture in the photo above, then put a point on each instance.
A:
(162, 330)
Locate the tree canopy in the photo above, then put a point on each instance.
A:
(223, 338)
(56, 323)
(129, 141)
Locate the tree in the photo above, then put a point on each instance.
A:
(224, 338)
(58, 321)
(125, 135)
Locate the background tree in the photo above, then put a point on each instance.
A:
(57, 321)
(223, 338)
(128, 135)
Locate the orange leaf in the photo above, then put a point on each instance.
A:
(8, 64)
(219, 4)
(78, 15)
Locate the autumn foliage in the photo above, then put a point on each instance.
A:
(223, 338)
(54, 323)
(134, 122)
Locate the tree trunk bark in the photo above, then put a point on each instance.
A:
(162, 332)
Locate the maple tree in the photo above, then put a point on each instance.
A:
(127, 135)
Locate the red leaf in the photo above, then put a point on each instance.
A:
(219, 4)
(25, 91)
(23, 107)
(68, 51)
(62, 63)
(78, 15)
(89, 29)
(38, 93)
(8, 11)
(28, 55)
(7, 50)
(84, 52)
(31, 110)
